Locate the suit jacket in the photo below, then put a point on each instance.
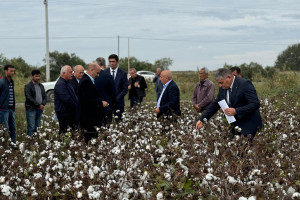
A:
(74, 84)
(90, 104)
(65, 99)
(170, 101)
(121, 84)
(30, 95)
(106, 88)
(140, 91)
(246, 103)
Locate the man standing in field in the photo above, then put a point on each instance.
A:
(168, 103)
(65, 100)
(77, 75)
(121, 83)
(158, 85)
(35, 101)
(242, 100)
(204, 91)
(7, 101)
(136, 87)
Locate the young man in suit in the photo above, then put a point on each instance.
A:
(106, 88)
(121, 83)
(242, 100)
(169, 100)
(136, 87)
(90, 104)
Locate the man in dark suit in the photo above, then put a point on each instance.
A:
(65, 100)
(121, 83)
(169, 100)
(242, 100)
(77, 75)
(106, 88)
(90, 104)
(136, 87)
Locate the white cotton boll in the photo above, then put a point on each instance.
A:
(252, 198)
(160, 196)
(22, 147)
(2, 179)
(243, 198)
(255, 172)
(6, 190)
(209, 177)
(96, 170)
(167, 176)
(295, 195)
(231, 180)
(284, 136)
(93, 141)
(79, 195)
(291, 190)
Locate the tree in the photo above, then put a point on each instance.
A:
(289, 59)
(58, 60)
(163, 63)
(135, 63)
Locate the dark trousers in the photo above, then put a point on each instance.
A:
(135, 101)
(88, 131)
(66, 123)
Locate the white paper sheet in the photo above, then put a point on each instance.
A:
(223, 106)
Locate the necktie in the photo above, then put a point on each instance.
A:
(113, 74)
(229, 97)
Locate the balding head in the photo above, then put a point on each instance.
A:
(78, 71)
(93, 70)
(165, 76)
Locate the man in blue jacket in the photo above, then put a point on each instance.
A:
(7, 101)
(242, 100)
(65, 100)
(121, 83)
(168, 103)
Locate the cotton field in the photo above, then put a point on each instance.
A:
(146, 158)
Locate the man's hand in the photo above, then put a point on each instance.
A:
(136, 84)
(129, 87)
(156, 110)
(105, 104)
(230, 111)
(41, 107)
(199, 125)
(197, 108)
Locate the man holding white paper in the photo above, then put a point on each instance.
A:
(240, 95)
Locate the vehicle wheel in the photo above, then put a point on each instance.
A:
(50, 96)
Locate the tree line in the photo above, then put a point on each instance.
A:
(289, 59)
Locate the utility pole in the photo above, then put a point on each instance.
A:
(119, 46)
(128, 58)
(47, 43)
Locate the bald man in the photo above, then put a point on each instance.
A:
(77, 75)
(168, 102)
(90, 104)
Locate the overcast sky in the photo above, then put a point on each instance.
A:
(193, 33)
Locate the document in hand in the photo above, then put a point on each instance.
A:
(223, 106)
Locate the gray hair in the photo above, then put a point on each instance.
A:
(222, 73)
(206, 71)
(101, 61)
(64, 69)
(132, 69)
(76, 67)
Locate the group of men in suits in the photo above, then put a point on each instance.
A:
(90, 99)
(100, 94)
